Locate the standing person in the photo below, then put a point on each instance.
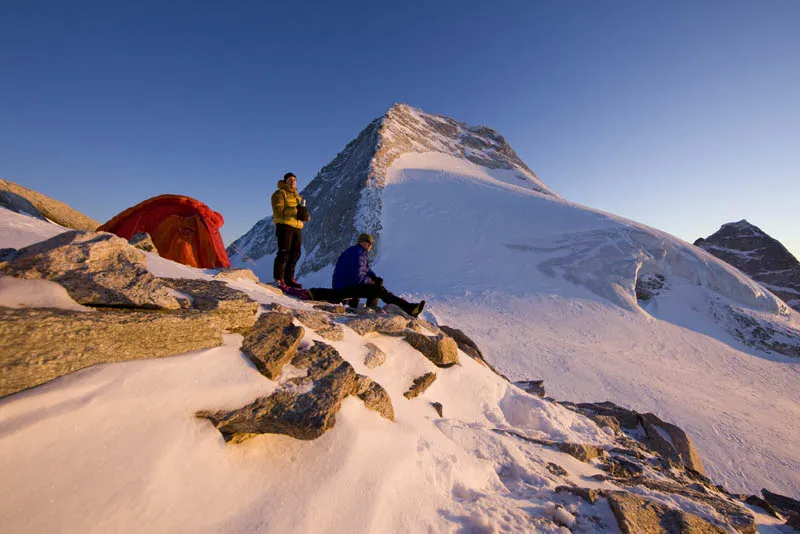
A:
(288, 230)
(353, 279)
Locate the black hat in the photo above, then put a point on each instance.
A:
(288, 175)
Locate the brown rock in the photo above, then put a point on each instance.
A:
(38, 345)
(236, 274)
(441, 350)
(331, 308)
(96, 269)
(54, 210)
(272, 342)
(556, 469)
(235, 310)
(421, 383)
(785, 505)
(298, 410)
(636, 515)
(321, 323)
(375, 356)
(589, 495)
(438, 407)
(581, 451)
(143, 241)
(393, 325)
(679, 443)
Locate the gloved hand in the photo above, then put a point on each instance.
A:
(378, 281)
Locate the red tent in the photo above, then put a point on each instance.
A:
(183, 229)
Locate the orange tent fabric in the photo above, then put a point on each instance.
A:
(183, 229)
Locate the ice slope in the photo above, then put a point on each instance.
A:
(546, 288)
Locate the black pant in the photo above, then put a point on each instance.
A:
(371, 292)
(290, 242)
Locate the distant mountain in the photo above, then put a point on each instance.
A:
(758, 255)
(21, 199)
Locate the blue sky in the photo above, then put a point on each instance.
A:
(682, 115)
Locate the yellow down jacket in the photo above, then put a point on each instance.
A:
(284, 205)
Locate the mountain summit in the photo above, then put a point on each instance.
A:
(758, 255)
(345, 197)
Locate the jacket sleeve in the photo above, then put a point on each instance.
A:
(278, 202)
(365, 274)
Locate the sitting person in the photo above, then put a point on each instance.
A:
(353, 279)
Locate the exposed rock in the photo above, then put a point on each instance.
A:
(392, 325)
(272, 342)
(235, 310)
(96, 269)
(421, 383)
(649, 285)
(7, 254)
(678, 448)
(758, 255)
(236, 274)
(275, 307)
(581, 451)
(330, 308)
(375, 356)
(38, 345)
(143, 241)
(785, 505)
(18, 204)
(54, 210)
(441, 350)
(470, 348)
(754, 500)
(589, 495)
(321, 323)
(619, 467)
(306, 407)
(636, 515)
(556, 469)
(534, 387)
(439, 408)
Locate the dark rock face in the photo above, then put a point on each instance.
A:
(306, 407)
(54, 210)
(344, 199)
(759, 256)
(272, 342)
(143, 241)
(470, 348)
(785, 505)
(421, 383)
(38, 345)
(534, 387)
(18, 204)
(96, 269)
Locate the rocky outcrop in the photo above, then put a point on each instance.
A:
(272, 342)
(666, 439)
(636, 515)
(534, 387)
(235, 311)
(56, 211)
(236, 274)
(420, 384)
(305, 407)
(785, 505)
(96, 269)
(143, 241)
(391, 325)
(38, 345)
(18, 204)
(758, 255)
(581, 451)
(441, 350)
(321, 323)
(470, 348)
(375, 356)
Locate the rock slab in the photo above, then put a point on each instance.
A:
(235, 310)
(439, 349)
(272, 342)
(636, 515)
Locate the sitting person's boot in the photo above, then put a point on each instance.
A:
(352, 303)
(417, 309)
(291, 282)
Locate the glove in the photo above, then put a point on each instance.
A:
(378, 281)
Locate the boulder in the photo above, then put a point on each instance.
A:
(331, 308)
(53, 210)
(272, 342)
(143, 241)
(38, 344)
(438, 407)
(679, 444)
(96, 269)
(440, 349)
(304, 407)
(236, 274)
(375, 356)
(581, 451)
(235, 310)
(636, 515)
(754, 500)
(392, 325)
(420, 384)
(556, 469)
(19, 204)
(321, 323)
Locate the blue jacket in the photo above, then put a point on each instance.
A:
(352, 268)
